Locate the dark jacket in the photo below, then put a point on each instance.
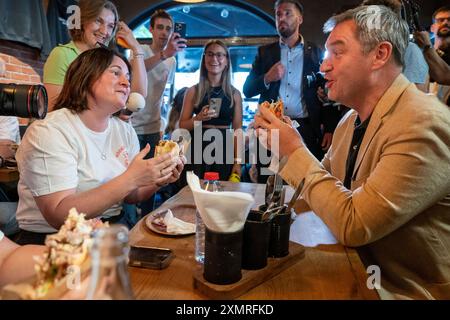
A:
(270, 54)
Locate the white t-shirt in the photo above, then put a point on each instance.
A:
(148, 119)
(1, 235)
(416, 67)
(61, 153)
(9, 128)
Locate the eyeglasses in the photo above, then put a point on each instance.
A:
(218, 55)
(441, 20)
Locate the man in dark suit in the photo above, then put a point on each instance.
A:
(285, 70)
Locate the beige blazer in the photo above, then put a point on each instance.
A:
(397, 212)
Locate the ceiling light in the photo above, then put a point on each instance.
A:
(245, 65)
(224, 13)
(190, 1)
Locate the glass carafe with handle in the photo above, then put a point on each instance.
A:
(109, 259)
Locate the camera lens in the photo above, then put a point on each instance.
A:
(23, 100)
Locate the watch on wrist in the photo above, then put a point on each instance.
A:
(426, 47)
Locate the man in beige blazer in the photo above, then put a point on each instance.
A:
(384, 185)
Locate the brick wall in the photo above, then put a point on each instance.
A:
(23, 63)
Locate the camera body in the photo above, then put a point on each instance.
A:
(315, 79)
(23, 100)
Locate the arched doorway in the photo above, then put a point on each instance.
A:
(242, 27)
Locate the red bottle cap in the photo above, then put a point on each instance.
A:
(211, 176)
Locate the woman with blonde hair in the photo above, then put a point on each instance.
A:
(99, 25)
(217, 105)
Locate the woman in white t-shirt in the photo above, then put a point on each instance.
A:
(82, 156)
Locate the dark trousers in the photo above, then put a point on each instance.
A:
(127, 217)
(24, 237)
(310, 138)
(222, 167)
(152, 139)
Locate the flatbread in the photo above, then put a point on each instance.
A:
(275, 107)
(167, 146)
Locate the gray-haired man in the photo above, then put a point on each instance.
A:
(383, 185)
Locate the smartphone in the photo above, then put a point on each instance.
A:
(215, 104)
(150, 257)
(180, 27)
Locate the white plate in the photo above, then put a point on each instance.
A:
(182, 212)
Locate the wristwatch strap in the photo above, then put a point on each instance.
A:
(426, 47)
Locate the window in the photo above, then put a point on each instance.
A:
(213, 20)
(242, 28)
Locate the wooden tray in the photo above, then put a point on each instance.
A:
(250, 278)
(25, 290)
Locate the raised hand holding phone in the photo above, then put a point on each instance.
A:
(180, 28)
(175, 44)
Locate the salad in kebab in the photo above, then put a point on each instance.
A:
(69, 247)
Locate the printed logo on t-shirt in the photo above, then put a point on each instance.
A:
(122, 154)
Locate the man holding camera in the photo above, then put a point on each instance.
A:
(438, 56)
(415, 68)
(159, 59)
(282, 69)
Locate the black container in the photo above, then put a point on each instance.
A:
(223, 257)
(255, 245)
(279, 235)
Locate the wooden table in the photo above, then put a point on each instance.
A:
(9, 175)
(328, 271)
